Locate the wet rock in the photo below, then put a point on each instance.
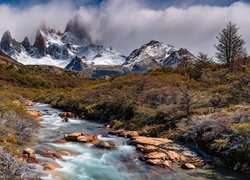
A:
(49, 166)
(237, 166)
(105, 145)
(72, 136)
(59, 141)
(29, 155)
(67, 115)
(35, 113)
(158, 162)
(48, 152)
(80, 137)
(87, 138)
(124, 133)
(153, 155)
(65, 119)
(29, 103)
(188, 166)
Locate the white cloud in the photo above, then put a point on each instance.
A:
(127, 24)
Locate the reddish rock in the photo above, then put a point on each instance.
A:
(158, 162)
(80, 137)
(35, 113)
(67, 115)
(48, 152)
(105, 145)
(72, 136)
(188, 166)
(29, 155)
(59, 141)
(49, 166)
(124, 133)
(29, 103)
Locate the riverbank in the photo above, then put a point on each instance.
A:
(80, 160)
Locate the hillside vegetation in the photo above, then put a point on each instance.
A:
(204, 104)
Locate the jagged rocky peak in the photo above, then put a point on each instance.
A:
(40, 43)
(77, 64)
(43, 26)
(155, 50)
(76, 28)
(179, 57)
(26, 44)
(6, 41)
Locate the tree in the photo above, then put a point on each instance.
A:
(231, 45)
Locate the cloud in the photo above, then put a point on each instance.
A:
(127, 24)
(24, 21)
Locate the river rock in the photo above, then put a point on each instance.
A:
(80, 137)
(49, 166)
(48, 152)
(87, 138)
(187, 166)
(237, 166)
(35, 113)
(148, 141)
(105, 145)
(67, 115)
(59, 141)
(124, 133)
(72, 136)
(158, 162)
(29, 155)
(29, 103)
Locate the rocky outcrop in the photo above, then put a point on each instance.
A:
(26, 44)
(80, 137)
(164, 152)
(105, 145)
(40, 44)
(6, 42)
(46, 151)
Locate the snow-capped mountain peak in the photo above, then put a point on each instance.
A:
(154, 54)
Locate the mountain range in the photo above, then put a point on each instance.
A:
(74, 50)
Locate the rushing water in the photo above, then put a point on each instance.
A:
(91, 163)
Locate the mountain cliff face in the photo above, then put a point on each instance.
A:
(74, 50)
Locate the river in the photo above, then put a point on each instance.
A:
(90, 163)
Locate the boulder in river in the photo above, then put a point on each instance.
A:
(124, 133)
(45, 151)
(29, 155)
(35, 113)
(49, 166)
(29, 103)
(72, 136)
(80, 137)
(105, 145)
(67, 115)
(159, 162)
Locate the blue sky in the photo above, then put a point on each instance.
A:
(151, 3)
